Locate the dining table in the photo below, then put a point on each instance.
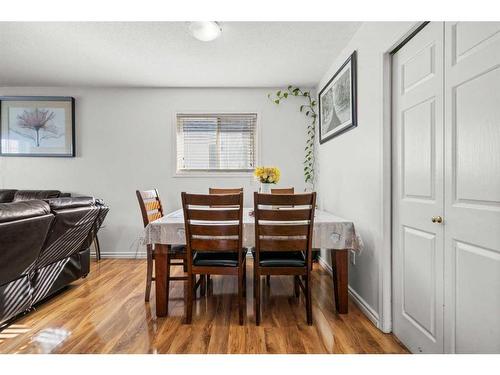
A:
(331, 233)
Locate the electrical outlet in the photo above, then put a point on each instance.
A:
(353, 257)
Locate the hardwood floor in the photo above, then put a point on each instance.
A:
(106, 313)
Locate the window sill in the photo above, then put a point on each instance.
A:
(208, 174)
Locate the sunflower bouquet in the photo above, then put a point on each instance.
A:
(267, 175)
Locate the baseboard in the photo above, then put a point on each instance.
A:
(122, 255)
(357, 299)
(365, 307)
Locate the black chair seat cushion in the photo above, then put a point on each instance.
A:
(177, 249)
(281, 259)
(216, 259)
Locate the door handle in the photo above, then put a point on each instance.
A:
(437, 219)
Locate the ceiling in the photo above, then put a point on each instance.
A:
(164, 54)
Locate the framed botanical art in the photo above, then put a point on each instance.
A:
(37, 126)
(337, 102)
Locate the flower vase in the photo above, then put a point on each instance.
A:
(265, 187)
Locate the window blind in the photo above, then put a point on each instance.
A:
(216, 142)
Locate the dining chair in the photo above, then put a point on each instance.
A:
(283, 242)
(151, 210)
(214, 235)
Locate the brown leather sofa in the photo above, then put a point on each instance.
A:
(44, 245)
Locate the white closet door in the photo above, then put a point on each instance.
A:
(472, 187)
(418, 191)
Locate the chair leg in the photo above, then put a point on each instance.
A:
(296, 286)
(254, 285)
(203, 285)
(308, 300)
(257, 298)
(97, 248)
(167, 289)
(149, 272)
(268, 280)
(241, 302)
(184, 265)
(245, 279)
(189, 298)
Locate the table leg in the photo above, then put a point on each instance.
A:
(340, 267)
(161, 260)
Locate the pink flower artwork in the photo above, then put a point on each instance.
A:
(37, 125)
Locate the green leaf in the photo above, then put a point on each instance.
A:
(308, 162)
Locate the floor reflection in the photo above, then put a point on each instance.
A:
(50, 338)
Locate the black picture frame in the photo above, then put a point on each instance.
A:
(60, 99)
(352, 61)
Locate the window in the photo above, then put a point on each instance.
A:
(216, 142)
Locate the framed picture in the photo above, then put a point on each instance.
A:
(37, 126)
(337, 102)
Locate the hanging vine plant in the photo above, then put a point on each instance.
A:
(309, 109)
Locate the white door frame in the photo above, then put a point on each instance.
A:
(385, 265)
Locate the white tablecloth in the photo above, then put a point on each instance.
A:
(330, 231)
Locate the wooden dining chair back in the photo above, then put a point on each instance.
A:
(288, 190)
(214, 235)
(283, 191)
(224, 191)
(206, 283)
(150, 204)
(283, 241)
(151, 210)
(280, 191)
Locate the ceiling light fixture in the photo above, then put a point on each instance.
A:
(205, 31)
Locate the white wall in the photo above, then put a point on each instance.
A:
(353, 176)
(124, 140)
